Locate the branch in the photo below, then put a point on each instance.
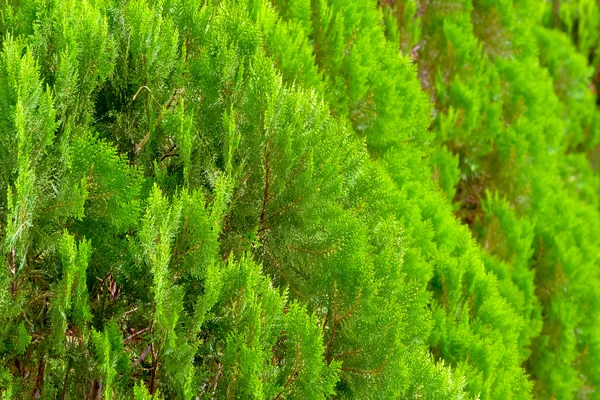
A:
(266, 193)
(351, 311)
(346, 354)
(219, 373)
(13, 271)
(359, 206)
(311, 251)
(330, 344)
(325, 320)
(153, 371)
(264, 228)
(170, 153)
(336, 320)
(293, 374)
(163, 158)
(64, 390)
(141, 357)
(366, 372)
(136, 334)
(40, 379)
(176, 92)
(285, 208)
(280, 269)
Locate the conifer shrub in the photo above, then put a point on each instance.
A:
(299, 199)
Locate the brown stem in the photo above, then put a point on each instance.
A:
(311, 251)
(359, 206)
(142, 356)
(163, 158)
(332, 336)
(264, 228)
(140, 145)
(351, 311)
(280, 269)
(365, 372)
(219, 373)
(95, 390)
(266, 193)
(153, 371)
(285, 208)
(336, 320)
(292, 376)
(40, 379)
(136, 334)
(325, 320)
(64, 390)
(346, 354)
(13, 271)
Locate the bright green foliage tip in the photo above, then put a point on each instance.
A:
(299, 199)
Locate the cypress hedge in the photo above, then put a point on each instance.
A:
(299, 199)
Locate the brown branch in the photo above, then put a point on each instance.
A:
(346, 354)
(13, 271)
(219, 373)
(285, 208)
(126, 313)
(292, 376)
(100, 196)
(136, 334)
(142, 356)
(264, 228)
(40, 379)
(163, 158)
(359, 206)
(176, 92)
(280, 269)
(311, 251)
(330, 343)
(188, 251)
(336, 320)
(325, 320)
(351, 311)
(64, 390)
(20, 368)
(266, 192)
(153, 371)
(170, 153)
(365, 372)
(95, 391)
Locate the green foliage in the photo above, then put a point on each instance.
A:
(299, 199)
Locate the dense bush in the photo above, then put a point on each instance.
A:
(299, 199)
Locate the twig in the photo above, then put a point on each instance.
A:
(141, 357)
(311, 251)
(266, 192)
(219, 373)
(330, 343)
(40, 379)
(136, 334)
(351, 311)
(285, 208)
(176, 92)
(13, 271)
(336, 320)
(346, 354)
(280, 269)
(126, 313)
(64, 390)
(365, 372)
(153, 371)
(292, 376)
